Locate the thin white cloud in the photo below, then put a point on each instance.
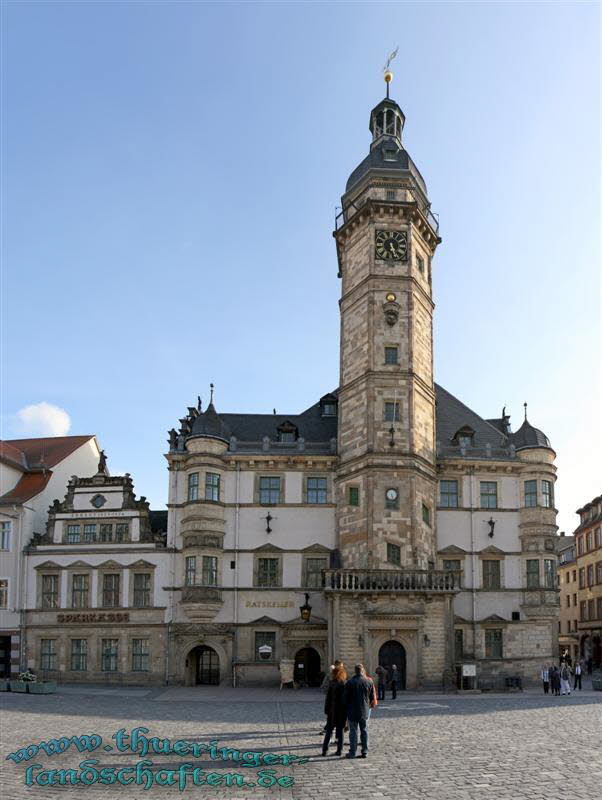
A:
(42, 419)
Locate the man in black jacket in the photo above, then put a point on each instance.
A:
(358, 699)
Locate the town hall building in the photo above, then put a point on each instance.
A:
(388, 523)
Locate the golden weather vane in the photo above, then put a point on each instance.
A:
(388, 75)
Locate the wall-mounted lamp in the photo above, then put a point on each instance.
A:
(427, 641)
(268, 518)
(305, 609)
(491, 523)
(392, 435)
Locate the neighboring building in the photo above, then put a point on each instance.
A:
(588, 538)
(423, 534)
(96, 590)
(32, 473)
(568, 624)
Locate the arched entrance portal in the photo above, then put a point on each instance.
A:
(204, 663)
(390, 653)
(307, 667)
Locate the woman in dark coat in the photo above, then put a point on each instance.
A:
(335, 709)
(555, 680)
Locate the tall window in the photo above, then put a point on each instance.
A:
(212, 486)
(583, 611)
(79, 591)
(391, 411)
(121, 532)
(492, 578)
(549, 573)
(209, 573)
(5, 535)
(393, 554)
(79, 655)
(142, 589)
(488, 494)
(582, 577)
(313, 572)
(547, 494)
(493, 644)
(354, 496)
(590, 574)
(391, 355)
(530, 493)
(73, 534)
(580, 548)
(106, 533)
(110, 590)
(89, 533)
(597, 538)
(426, 514)
(591, 609)
(267, 572)
(50, 591)
(48, 654)
(317, 490)
(4, 593)
(448, 494)
(532, 573)
(109, 652)
(588, 541)
(262, 639)
(269, 490)
(190, 570)
(459, 643)
(193, 486)
(140, 655)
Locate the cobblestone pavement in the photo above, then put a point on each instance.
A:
(441, 747)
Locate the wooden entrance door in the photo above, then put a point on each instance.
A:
(207, 666)
(307, 667)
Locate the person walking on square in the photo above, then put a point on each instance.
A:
(394, 680)
(565, 679)
(335, 710)
(545, 677)
(381, 680)
(555, 680)
(578, 671)
(359, 699)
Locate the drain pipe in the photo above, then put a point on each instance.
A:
(473, 589)
(172, 576)
(236, 554)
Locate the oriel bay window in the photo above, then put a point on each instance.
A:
(193, 486)
(493, 643)
(492, 574)
(80, 588)
(142, 589)
(209, 571)
(530, 494)
(448, 494)
(190, 576)
(317, 490)
(48, 654)
(140, 655)
(547, 494)
(50, 591)
(532, 573)
(212, 487)
(267, 572)
(110, 590)
(549, 573)
(109, 654)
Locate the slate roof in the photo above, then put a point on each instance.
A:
(375, 160)
(528, 436)
(211, 424)
(452, 414)
(311, 425)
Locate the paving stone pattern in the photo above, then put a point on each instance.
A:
(441, 747)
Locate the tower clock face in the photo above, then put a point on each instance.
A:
(391, 245)
(392, 494)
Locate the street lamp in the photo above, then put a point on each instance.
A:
(305, 609)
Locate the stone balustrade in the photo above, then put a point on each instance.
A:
(391, 580)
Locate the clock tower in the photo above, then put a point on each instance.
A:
(386, 237)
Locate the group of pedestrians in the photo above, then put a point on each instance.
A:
(557, 679)
(348, 704)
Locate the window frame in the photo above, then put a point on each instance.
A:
(391, 548)
(532, 576)
(391, 355)
(192, 487)
(213, 487)
(4, 592)
(5, 534)
(321, 491)
(56, 578)
(107, 592)
(209, 569)
(530, 495)
(547, 493)
(488, 585)
(48, 658)
(110, 656)
(83, 593)
(488, 499)
(494, 650)
(80, 653)
(259, 579)
(142, 655)
(274, 494)
(270, 638)
(353, 496)
(455, 495)
(146, 590)
(391, 411)
(323, 558)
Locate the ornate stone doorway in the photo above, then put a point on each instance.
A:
(307, 667)
(205, 662)
(390, 653)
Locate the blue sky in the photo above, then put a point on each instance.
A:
(171, 172)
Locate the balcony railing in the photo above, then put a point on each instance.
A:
(390, 580)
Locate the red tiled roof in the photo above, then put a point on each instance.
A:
(29, 485)
(34, 452)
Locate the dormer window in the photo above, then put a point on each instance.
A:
(464, 437)
(287, 432)
(328, 405)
